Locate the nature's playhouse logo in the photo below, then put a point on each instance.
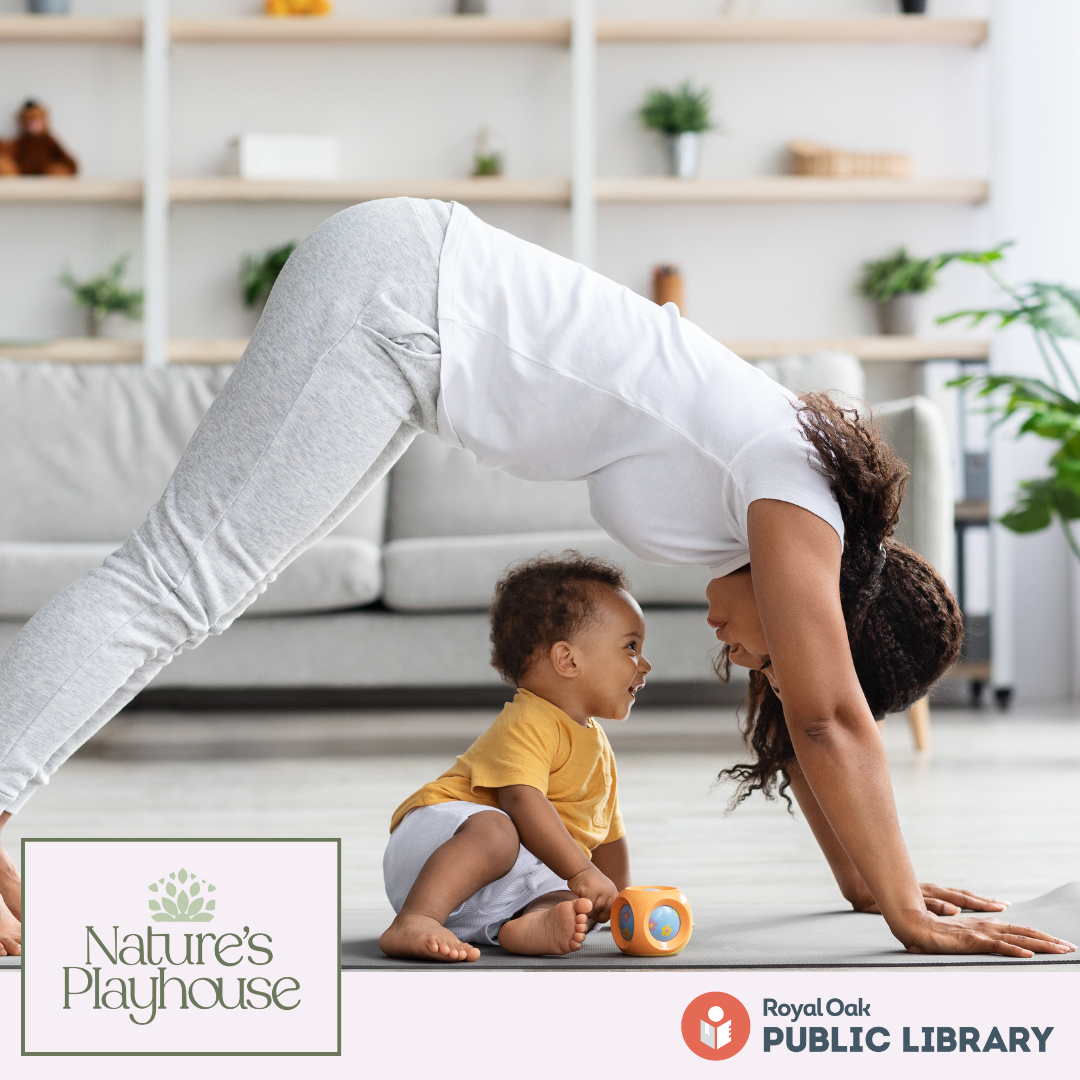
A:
(715, 1026)
(177, 966)
(139, 974)
(183, 906)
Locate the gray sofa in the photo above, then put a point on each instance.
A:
(394, 598)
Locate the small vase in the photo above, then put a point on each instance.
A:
(48, 7)
(913, 7)
(899, 315)
(684, 153)
(471, 7)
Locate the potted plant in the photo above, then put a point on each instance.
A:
(488, 158)
(894, 285)
(681, 115)
(258, 274)
(1048, 408)
(104, 295)
(913, 7)
(48, 7)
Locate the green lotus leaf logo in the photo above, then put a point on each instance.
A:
(180, 898)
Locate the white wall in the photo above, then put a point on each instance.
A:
(413, 111)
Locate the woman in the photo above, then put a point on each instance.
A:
(403, 315)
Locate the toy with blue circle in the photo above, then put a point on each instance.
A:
(651, 920)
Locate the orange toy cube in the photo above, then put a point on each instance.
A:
(651, 920)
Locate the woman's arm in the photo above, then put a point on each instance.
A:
(939, 900)
(795, 565)
(543, 833)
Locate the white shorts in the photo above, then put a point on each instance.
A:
(480, 918)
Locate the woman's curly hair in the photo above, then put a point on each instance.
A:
(543, 600)
(904, 626)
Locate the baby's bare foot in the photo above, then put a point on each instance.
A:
(10, 932)
(555, 930)
(10, 884)
(418, 936)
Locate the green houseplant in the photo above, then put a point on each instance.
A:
(681, 115)
(893, 285)
(1047, 408)
(259, 272)
(104, 295)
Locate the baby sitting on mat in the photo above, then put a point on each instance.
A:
(521, 843)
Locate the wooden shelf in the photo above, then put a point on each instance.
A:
(67, 28)
(629, 189)
(667, 189)
(464, 29)
(972, 513)
(228, 350)
(114, 351)
(68, 189)
(876, 348)
(465, 189)
(873, 29)
(472, 29)
(233, 189)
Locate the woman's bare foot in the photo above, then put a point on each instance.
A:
(546, 931)
(10, 932)
(418, 936)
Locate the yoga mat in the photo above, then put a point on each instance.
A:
(738, 937)
(750, 937)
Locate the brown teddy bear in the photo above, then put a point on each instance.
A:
(35, 152)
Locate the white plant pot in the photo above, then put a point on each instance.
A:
(684, 154)
(900, 315)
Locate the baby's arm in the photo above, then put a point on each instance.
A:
(613, 860)
(543, 833)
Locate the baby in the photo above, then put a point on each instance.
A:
(521, 843)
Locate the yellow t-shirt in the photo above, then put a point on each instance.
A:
(532, 742)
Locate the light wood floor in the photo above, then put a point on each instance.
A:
(993, 807)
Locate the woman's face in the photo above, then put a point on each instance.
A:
(733, 614)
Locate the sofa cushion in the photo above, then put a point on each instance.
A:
(439, 490)
(87, 449)
(455, 573)
(337, 572)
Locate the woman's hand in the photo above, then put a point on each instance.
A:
(967, 934)
(940, 901)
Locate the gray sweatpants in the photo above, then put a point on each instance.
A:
(341, 373)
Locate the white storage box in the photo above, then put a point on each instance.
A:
(284, 157)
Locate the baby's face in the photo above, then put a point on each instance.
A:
(609, 652)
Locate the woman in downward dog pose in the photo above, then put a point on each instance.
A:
(406, 315)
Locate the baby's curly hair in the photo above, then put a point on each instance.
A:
(540, 601)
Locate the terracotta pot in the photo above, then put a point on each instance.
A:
(668, 286)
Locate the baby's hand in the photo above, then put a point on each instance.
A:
(591, 884)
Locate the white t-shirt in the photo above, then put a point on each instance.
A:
(552, 372)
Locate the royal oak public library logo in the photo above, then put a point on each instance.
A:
(202, 960)
(715, 1026)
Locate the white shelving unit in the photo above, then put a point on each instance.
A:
(583, 192)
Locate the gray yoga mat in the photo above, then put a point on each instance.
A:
(738, 937)
(750, 937)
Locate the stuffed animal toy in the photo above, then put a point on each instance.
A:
(298, 7)
(35, 152)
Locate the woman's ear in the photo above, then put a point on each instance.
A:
(563, 660)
